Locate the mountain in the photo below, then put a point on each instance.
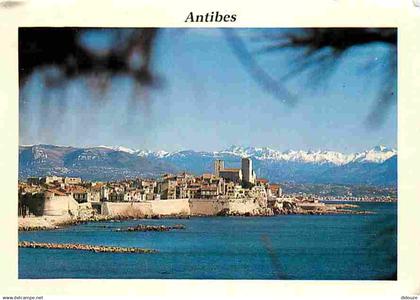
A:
(376, 166)
(96, 163)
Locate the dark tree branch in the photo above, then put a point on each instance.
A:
(61, 48)
(255, 70)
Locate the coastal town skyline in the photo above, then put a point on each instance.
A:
(52, 195)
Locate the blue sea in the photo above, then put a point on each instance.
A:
(332, 247)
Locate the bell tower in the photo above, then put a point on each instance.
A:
(219, 165)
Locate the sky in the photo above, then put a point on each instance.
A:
(208, 101)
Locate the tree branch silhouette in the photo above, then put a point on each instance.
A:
(134, 49)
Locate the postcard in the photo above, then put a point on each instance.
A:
(210, 148)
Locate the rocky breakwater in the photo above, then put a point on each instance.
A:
(344, 205)
(37, 228)
(142, 227)
(51, 223)
(84, 247)
(288, 207)
(285, 208)
(258, 212)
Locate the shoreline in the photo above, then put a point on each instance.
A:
(358, 201)
(41, 223)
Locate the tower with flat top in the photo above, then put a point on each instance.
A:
(219, 165)
(248, 174)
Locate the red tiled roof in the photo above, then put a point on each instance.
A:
(263, 180)
(56, 192)
(76, 189)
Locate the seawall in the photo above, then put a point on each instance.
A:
(190, 207)
(147, 208)
(59, 205)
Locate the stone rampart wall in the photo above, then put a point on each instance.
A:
(170, 207)
(59, 205)
(147, 208)
(193, 207)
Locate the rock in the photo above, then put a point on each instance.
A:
(143, 228)
(93, 248)
(223, 212)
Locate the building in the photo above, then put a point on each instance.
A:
(247, 171)
(275, 190)
(72, 180)
(219, 165)
(193, 191)
(258, 191)
(116, 196)
(134, 195)
(51, 179)
(181, 191)
(104, 193)
(244, 174)
(231, 174)
(167, 189)
(209, 191)
(57, 203)
(34, 180)
(95, 193)
(234, 191)
(148, 185)
(80, 194)
(262, 182)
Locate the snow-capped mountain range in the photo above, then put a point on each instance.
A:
(376, 166)
(377, 154)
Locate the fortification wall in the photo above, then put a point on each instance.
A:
(243, 206)
(131, 209)
(59, 205)
(205, 207)
(194, 207)
(171, 207)
(211, 207)
(147, 208)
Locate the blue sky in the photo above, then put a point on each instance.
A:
(208, 101)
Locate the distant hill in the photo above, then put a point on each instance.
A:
(377, 166)
(97, 163)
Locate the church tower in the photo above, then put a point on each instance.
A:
(219, 165)
(247, 172)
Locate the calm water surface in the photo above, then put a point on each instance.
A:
(281, 247)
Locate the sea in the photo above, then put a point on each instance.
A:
(285, 247)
